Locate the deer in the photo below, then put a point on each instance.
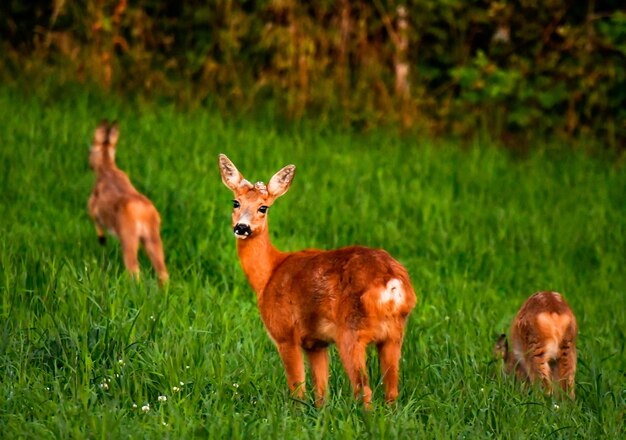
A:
(543, 340)
(115, 205)
(353, 296)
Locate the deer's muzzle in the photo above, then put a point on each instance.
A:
(242, 230)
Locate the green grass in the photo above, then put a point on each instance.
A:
(478, 230)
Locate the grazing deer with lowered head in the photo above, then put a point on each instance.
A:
(116, 205)
(543, 342)
(353, 296)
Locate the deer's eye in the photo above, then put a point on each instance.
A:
(236, 204)
(263, 209)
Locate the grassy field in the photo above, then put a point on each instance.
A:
(477, 229)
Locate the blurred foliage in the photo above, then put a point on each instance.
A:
(516, 69)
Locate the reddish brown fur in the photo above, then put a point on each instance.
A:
(116, 205)
(543, 342)
(311, 298)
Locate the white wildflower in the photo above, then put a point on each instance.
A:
(175, 389)
(555, 406)
(162, 398)
(146, 408)
(134, 406)
(236, 385)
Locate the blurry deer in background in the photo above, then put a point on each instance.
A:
(543, 340)
(117, 206)
(352, 296)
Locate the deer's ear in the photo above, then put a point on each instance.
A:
(231, 176)
(114, 134)
(100, 135)
(502, 342)
(280, 182)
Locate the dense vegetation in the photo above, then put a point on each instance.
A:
(515, 70)
(478, 229)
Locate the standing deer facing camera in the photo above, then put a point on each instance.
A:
(116, 205)
(543, 339)
(354, 296)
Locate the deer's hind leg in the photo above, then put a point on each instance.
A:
(154, 248)
(567, 366)
(539, 366)
(318, 359)
(389, 356)
(129, 238)
(352, 353)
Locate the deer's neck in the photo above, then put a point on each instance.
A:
(259, 259)
(105, 168)
(509, 361)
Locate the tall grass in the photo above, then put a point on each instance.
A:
(478, 230)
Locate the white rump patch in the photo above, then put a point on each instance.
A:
(554, 326)
(141, 228)
(393, 292)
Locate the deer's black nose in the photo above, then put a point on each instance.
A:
(242, 229)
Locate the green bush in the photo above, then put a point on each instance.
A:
(516, 69)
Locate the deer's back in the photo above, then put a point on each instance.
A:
(545, 318)
(114, 200)
(316, 292)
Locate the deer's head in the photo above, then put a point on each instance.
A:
(252, 202)
(501, 349)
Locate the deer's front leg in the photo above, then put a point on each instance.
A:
(102, 239)
(294, 367)
(92, 212)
